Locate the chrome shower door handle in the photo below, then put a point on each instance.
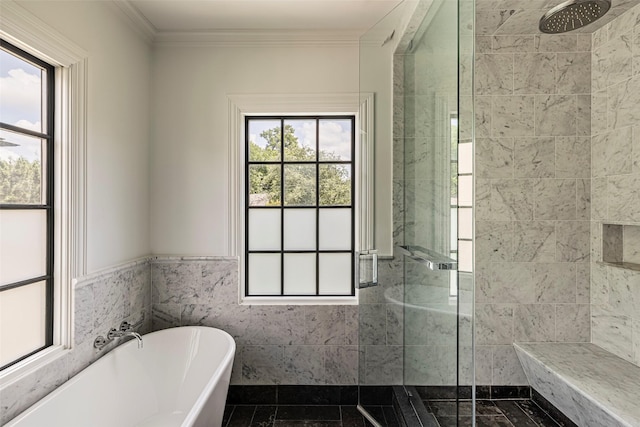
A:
(366, 269)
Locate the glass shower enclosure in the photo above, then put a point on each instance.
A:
(416, 326)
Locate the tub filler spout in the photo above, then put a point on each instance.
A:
(121, 334)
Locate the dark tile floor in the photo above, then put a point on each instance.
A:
(302, 415)
(492, 413)
(489, 413)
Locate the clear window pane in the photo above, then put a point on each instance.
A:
(335, 229)
(24, 306)
(335, 185)
(264, 140)
(335, 274)
(300, 140)
(300, 274)
(335, 139)
(300, 185)
(23, 245)
(21, 90)
(264, 229)
(264, 274)
(264, 185)
(21, 169)
(300, 229)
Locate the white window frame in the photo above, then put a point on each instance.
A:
(240, 106)
(27, 32)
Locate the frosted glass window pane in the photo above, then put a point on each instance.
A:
(454, 227)
(465, 255)
(264, 229)
(300, 274)
(264, 185)
(335, 229)
(300, 185)
(264, 274)
(465, 190)
(465, 223)
(335, 139)
(23, 245)
(22, 178)
(21, 92)
(300, 136)
(465, 158)
(264, 140)
(453, 283)
(335, 274)
(300, 229)
(24, 306)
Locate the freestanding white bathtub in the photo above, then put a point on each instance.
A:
(179, 378)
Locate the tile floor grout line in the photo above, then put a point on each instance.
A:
(547, 413)
(255, 409)
(230, 415)
(528, 416)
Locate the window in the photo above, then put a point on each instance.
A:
(26, 204)
(299, 210)
(461, 205)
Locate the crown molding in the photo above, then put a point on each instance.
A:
(215, 38)
(137, 20)
(28, 32)
(257, 38)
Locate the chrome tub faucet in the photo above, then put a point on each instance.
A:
(125, 330)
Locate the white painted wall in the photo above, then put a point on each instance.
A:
(185, 209)
(118, 126)
(189, 160)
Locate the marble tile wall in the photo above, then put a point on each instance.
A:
(381, 330)
(101, 301)
(282, 344)
(533, 188)
(615, 147)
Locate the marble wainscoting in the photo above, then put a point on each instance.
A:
(101, 301)
(276, 344)
(591, 386)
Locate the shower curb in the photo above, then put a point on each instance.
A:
(410, 409)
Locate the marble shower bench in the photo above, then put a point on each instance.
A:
(589, 385)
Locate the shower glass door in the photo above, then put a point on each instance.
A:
(438, 215)
(416, 327)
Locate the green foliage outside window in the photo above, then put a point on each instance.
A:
(334, 179)
(20, 181)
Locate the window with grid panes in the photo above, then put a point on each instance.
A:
(299, 218)
(26, 204)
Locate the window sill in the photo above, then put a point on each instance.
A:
(347, 300)
(31, 364)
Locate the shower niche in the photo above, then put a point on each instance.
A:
(621, 246)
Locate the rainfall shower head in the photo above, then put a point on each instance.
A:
(572, 15)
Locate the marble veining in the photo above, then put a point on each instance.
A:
(612, 153)
(534, 157)
(612, 63)
(533, 73)
(590, 385)
(555, 115)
